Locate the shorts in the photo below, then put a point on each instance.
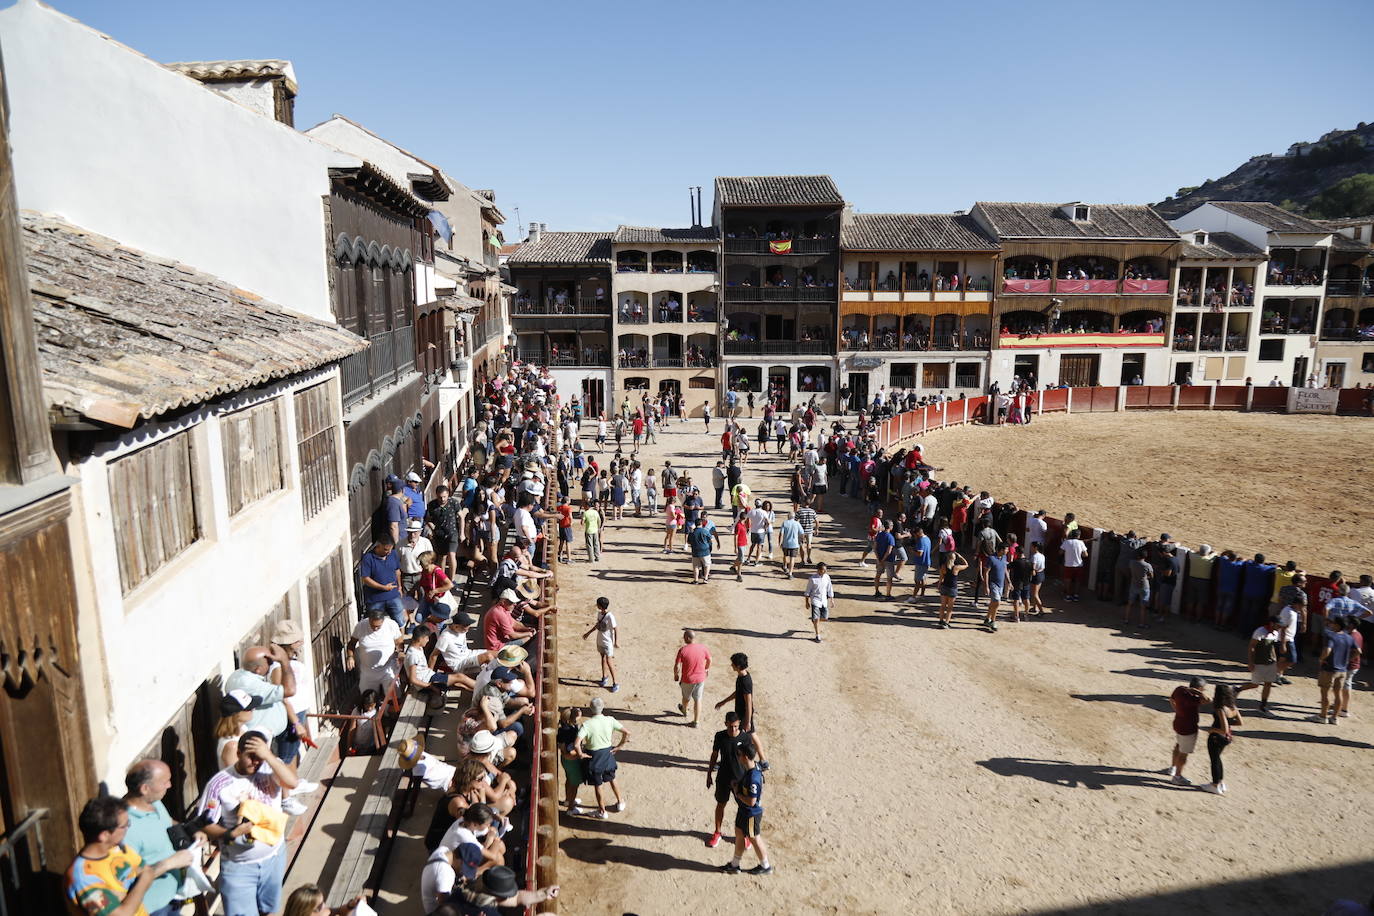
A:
(565, 535)
(692, 691)
(756, 537)
(950, 591)
(1185, 743)
(442, 545)
(606, 649)
(669, 492)
(820, 489)
(887, 568)
(994, 592)
(1037, 578)
(573, 770)
(1267, 674)
(1139, 593)
(820, 612)
(1073, 574)
(702, 563)
(723, 788)
(790, 551)
(438, 679)
(748, 824)
(919, 571)
(601, 768)
(1329, 679)
(739, 554)
(1020, 593)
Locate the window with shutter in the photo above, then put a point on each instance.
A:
(252, 454)
(317, 442)
(154, 507)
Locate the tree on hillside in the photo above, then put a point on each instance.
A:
(1353, 196)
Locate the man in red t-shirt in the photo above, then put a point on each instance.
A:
(689, 670)
(725, 443)
(499, 627)
(741, 542)
(875, 524)
(565, 530)
(1186, 702)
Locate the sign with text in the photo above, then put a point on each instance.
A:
(1313, 400)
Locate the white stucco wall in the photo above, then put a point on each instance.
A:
(146, 653)
(257, 94)
(116, 143)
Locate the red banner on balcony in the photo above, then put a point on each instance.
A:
(1025, 286)
(1071, 286)
(781, 247)
(1150, 287)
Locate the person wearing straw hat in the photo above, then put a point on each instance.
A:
(432, 772)
(287, 634)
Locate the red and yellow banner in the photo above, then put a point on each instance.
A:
(781, 247)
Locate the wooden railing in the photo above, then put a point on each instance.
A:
(389, 355)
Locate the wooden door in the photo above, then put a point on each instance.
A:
(1079, 370)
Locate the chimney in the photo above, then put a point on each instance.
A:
(543, 227)
(535, 229)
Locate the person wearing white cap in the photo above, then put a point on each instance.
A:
(409, 553)
(415, 496)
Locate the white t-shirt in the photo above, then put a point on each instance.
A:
(524, 523)
(433, 772)
(758, 521)
(1037, 563)
(409, 554)
(415, 658)
(304, 699)
(376, 650)
(453, 647)
(1074, 552)
(437, 877)
(605, 624)
(225, 792)
(1264, 635)
(1035, 530)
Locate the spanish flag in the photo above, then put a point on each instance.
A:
(782, 247)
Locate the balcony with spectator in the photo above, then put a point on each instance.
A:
(632, 351)
(1288, 316)
(632, 308)
(667, 261)
(701, 262)
(1343, 323)
(631, 261)
(701, 308)
(1351, 279)
(1148, 276)
(1027, 274)
(762, 232)
(1086, 274)
(1297, 266)
(701, 351)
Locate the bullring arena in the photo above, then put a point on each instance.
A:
(959, 771)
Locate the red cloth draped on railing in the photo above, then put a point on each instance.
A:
(1152, 287)
(1025, 286)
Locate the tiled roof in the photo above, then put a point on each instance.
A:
(235, 69)
(1345, 243)
(915, 232)
(1271, 217)
(645, 235)
(764, 190)
(1221, 246)
(565, 248)
(123, 335)
(1048, 221)
(1345, 222)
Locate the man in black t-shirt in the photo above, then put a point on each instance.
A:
(723, 768)
(744, 692)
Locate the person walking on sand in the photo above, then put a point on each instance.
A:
(995, 573)
(749, 816)
(741, 543)
(743, 696)
(820, 594)
(595, 736)
(672, 521)
(1186, 701)
(690, 668)
(1224, 713)
(949, 586)
(699, 543)
(790, 540)
(721, 768)
(591, 531)
(1037, 577)
(875, 525)
(1264, 659)
(607, 641)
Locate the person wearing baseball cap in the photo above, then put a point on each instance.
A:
(287, 634)
(414, 493)
(452, 645)
(497, 887)
(499, 627)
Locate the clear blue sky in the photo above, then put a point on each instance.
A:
(587, 115)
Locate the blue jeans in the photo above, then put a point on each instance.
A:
(248, 889)
(394, 609)
(515, 728)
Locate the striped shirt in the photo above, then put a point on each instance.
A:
(806, 517)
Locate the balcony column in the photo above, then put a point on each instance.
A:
(901, 277)
(963, 275)
(1054, 273)
(1230, 281)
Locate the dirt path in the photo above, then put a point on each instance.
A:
(918, 770)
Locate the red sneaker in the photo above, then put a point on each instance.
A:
(714, 841)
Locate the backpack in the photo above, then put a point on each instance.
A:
(1265, 653)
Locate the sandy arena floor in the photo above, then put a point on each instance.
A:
(925, 771)
(1290, 487)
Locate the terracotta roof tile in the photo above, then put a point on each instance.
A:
(1221, 246)
(1271, 217)
(645, 235)
(124, 335)
(784, 190)
(915, 232)
(1048, 221)
(565, 248)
